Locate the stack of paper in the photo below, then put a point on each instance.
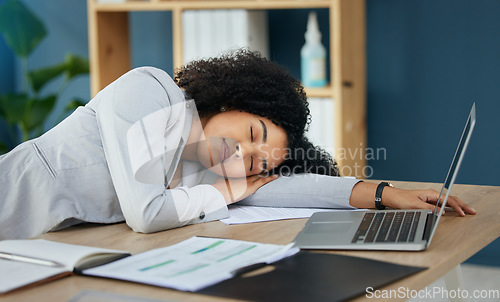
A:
(193, 264)
(250, 214)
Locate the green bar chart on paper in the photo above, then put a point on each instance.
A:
(191, 264)
(156, 265)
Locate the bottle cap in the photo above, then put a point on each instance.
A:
(313, 34)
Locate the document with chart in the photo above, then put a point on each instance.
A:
(194, 263)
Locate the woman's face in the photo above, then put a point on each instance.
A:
(239, 144)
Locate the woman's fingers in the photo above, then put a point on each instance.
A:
(428, 206)
(236, 189)
(459, 206)
(432, 196)
(452, 202)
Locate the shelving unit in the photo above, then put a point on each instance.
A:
(109, 43)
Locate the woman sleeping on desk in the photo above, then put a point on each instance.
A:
(161, 153)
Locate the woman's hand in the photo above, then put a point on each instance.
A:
(422, 199)
(236, 189)
(363, 196)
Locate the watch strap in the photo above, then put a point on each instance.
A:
(378, 195)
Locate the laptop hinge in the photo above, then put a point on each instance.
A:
(429, 223)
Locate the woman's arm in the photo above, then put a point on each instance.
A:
(138, 156)
(320, 191)
(363, 196)
(304, 190)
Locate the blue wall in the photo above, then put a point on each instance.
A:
(427, 61)
(152, 47)
(7, 69)
(7, 74)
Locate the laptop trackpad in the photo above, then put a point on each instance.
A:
(329, 227)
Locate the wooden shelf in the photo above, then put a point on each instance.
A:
(109, 43)
(323, 92)
(210, 4)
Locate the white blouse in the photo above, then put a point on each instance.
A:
(112, 161)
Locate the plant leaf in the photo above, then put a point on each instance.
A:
(73, 104)
(70, 107)
(38, 111)
(3, 148)
(14, 106)
(2, 111)
(76, 65)
(21, 29)
(38, 78)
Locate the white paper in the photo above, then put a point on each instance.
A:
(14, 274)
(249, 214)
(192, 264)
(67, 254)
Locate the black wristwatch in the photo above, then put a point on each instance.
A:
(378, 195)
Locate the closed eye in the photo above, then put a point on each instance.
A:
(251, 157)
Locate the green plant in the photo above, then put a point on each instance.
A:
(26, 112)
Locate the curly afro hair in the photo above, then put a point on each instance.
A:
(243, 80)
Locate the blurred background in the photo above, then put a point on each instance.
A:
(427, 62)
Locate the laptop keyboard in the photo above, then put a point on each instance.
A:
(387, 227)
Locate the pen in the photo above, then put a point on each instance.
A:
(26, 259)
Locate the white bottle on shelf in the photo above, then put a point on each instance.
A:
(313, 55)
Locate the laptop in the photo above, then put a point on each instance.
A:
(410, 230)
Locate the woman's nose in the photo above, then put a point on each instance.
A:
(243, 150)
(234, 147)
(239, 151)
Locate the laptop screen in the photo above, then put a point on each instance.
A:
(455, 165)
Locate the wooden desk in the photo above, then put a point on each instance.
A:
(456, 240)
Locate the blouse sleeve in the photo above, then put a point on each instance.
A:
(142, 121)
(304, 191)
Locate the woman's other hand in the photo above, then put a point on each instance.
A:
(363, 196)
(236, 189)
(422, 199)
